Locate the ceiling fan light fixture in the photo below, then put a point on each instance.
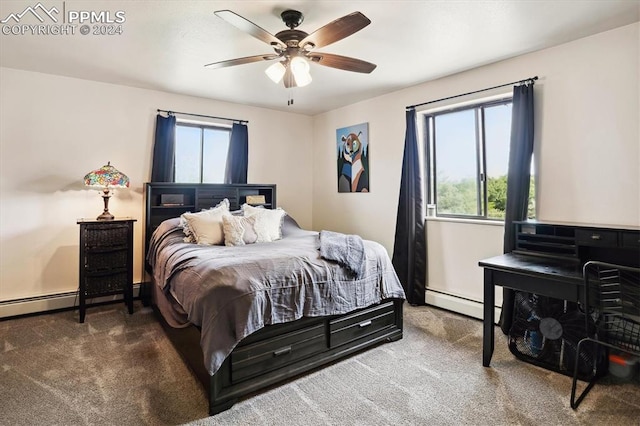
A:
(276, 72)
(299, 65)
(300, 69)
(302, 79)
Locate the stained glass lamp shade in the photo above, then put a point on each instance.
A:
(106, 177)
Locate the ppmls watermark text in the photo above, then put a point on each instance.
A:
(42, 20)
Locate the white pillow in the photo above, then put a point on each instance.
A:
(239, 230)
(268, 225)
(205, 227)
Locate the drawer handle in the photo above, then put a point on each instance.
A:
(595, 237)
(282, 351)
(364, 324)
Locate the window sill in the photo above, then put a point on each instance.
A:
(469, 221)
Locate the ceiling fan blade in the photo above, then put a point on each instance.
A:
(249, 27)
(240, 61)
(288, 79)
(336, 30)
(342, 62)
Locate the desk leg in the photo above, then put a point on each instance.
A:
(489, 318)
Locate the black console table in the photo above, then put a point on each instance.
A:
(548, 261)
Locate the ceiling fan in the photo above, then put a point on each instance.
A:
(295, 48)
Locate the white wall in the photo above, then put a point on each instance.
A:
(53, 130)
(587, 146)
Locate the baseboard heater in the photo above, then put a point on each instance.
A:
(52, 302)
(455, 303)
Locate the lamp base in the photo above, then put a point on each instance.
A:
(105, 216)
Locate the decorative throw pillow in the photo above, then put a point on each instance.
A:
(205, 227)
(268, 225)
(239, 230)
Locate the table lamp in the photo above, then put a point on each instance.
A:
(106, 177)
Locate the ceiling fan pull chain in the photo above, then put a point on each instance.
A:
(290, 92)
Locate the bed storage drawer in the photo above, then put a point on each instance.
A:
(362, 323)
(257, 358)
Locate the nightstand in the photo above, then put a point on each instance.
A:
(106, 260)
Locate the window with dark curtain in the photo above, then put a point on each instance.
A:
(199, 153)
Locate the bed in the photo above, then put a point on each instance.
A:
(246, 317)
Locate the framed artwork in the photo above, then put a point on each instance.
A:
(352, 145)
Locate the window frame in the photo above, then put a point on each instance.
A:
(202, 127)
(427, 121)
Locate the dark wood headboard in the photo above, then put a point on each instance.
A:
(167, 200)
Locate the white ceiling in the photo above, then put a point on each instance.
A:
(165, 44)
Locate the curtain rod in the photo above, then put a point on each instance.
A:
(205, 116)
(532, 79)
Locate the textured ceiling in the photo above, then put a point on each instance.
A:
(164, 44)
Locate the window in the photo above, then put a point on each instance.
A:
(201, 153)
(467, 159)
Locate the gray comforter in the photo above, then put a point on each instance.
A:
(231, 292)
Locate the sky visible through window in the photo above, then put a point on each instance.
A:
(497, 128)
(216, 145)
(189, 157)
(455, 146)
(455, 139)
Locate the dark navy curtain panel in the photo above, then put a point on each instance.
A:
(410, 247)
(162, 165)
(518, 179)
(238, 156)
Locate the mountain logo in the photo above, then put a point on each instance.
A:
(38, 11)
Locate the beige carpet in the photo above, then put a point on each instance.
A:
(120, 369)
